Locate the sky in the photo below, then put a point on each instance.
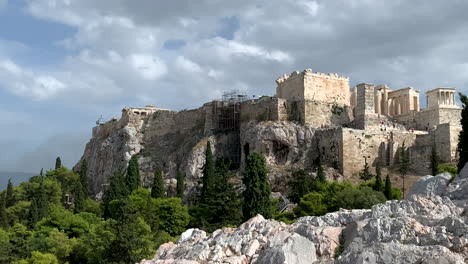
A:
(64, 63)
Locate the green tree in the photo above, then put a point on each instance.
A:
(132, 240)
(117, 190)
(84, 177)
(58, 163)
(463, 136)
(10, 198)
(132, 178)
(434, 161)
(257, 189)
(5, 247)
(39, 204)
(157, 189)
(388, 188)
(79, 199)
(19, 236)
(173, 216)
(365, 174)
(378, 186)
(299, 185)
(3, 214)
(311, 204)
(39, 258)
(208, 175)
(321, 174)
(403, 164)
(180, 185)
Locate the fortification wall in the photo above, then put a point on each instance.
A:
(329, 88)
(330, 147)
(263, 109)
(378, 147)
(325, 114)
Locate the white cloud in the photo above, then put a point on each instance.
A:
(149, 67)
(28, 83)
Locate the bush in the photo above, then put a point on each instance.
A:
(359, 198)
(444, 167)
(311, 204)
(173, 216)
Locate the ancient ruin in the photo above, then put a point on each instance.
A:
(313, 117)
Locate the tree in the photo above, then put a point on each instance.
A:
(311, 204)
(388, 188)
(299, 185)
(378, 180)
(39, 204)
(58, 163)
(3, 215)
(463, 136)
(133, 174)
(180, 184)
(208, 174)
(10, 199)
(84, 177)
(365, 174)
(403, 164)
(434, 161)
(321, 174)
(173, 216)
(257, 189)
(79, 198)
(117, 190)
(157, 189)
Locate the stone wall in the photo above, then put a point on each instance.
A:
(325, 114)
(308, 85)
(429, 119)
(263, 109)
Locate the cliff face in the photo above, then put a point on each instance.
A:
(176, 141)
(430, 227)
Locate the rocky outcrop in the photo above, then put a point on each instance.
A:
(430, 227)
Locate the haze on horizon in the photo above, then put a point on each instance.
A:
(64, 63)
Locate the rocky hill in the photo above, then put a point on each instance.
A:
(430, 227)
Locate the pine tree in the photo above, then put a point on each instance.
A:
(42, 172)
(117, 189)
(157, 189)
(39, 205)
(10, 199)
(365, 174)
(463, 137)
(388, 188)
(84, 177)
(33, 213)
(132, 178)
(378, 180)
(208, 175)
(257, 189)
(58, 163)
(180, 184)
(3, 215)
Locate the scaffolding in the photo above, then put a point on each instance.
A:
(226, 119)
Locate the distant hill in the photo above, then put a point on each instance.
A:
(16, 178)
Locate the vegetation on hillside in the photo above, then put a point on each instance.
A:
(52, 219)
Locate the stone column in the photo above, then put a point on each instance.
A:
(378, 100)
(365, 104)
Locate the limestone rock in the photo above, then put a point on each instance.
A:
(424, 229)
(430, 185)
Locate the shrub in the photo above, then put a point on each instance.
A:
(444, 167)
(359, 198)
(311, 204)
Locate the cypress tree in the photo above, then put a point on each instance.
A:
(463, 136)
(58, 163)
(208, 175)
(42, 201)
(84, 178)
(257, 189)
(388, 188)
(42, 172)
(403, 164)
(378, 180)
(365, 174)
(321, 174)
(117, 190)
(3, 215)
(33, 213)
(180, 184)
(79, 198)
(133, 175)
(10, 199)
(157, 189)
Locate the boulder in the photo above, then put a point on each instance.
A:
(430, 185)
